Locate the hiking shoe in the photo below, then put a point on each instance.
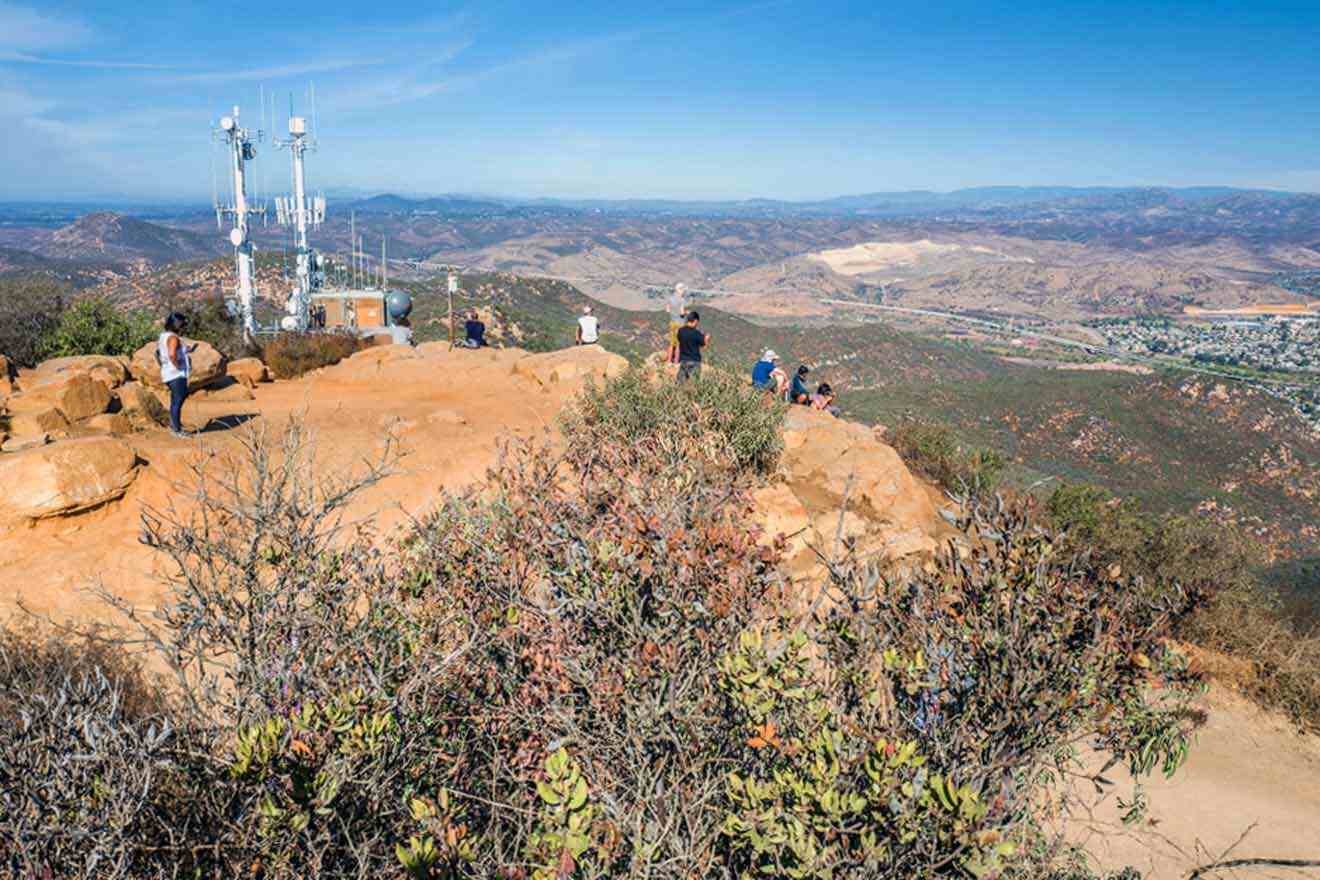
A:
(182, 435)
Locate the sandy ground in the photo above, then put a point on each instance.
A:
(1250, 789)
(879, 256)
(448, 410)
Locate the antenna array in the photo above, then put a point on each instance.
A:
(241, 145)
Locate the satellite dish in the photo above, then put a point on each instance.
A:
(235, 237)
(227, 123)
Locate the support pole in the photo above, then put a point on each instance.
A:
(453, 285)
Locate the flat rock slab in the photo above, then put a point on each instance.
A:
(113, 371)
(65, 477)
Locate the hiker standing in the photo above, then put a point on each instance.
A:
(588, 328)
(677, 315)
(690, 343)
(175, 367)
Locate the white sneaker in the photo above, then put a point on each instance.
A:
(182, 435)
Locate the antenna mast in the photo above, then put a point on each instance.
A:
(241, 143)
(298, 212)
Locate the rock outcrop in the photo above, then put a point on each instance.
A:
(112, 371)
(76, 395)
(838, 476)
(249, 371)
(141, 405)
(207, 365)
(570, 365)
(64, 477)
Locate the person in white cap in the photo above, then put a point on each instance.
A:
(764, 369)
(588, 329)
(677, 315)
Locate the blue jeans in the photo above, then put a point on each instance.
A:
(178, 393)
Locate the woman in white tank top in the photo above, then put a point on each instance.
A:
(175, 368)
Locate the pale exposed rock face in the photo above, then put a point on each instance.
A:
(570, 365)
(113, 371)
(249, 371)
(832, 469)
(108, 423)
(64, 477)
(18, 444)
(140, 404)
(207, 365)
(36, 422)
(75, 394)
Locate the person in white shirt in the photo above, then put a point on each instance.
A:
(677, 315)
(175, 367)
(588, 328)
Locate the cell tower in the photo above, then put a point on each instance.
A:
(298, 212)
(241, 143)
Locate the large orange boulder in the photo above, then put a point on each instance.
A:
(6, 384)
(113, 371)
(35, 422)
(207, 365)
(569, 365)
(76, 395)
(839, 468)
(249, 371)
(65, 477)
(141, 405)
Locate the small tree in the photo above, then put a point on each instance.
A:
(98, 326)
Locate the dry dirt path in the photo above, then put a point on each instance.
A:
(1249, 773)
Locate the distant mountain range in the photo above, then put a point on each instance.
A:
(904, 203)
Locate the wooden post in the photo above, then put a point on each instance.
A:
(453, 285)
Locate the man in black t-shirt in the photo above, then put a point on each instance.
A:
(690, 343)
(475, 331)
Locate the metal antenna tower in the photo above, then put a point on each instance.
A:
(241, 144)
(298, 212)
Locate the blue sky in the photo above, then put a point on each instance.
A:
(680, 100)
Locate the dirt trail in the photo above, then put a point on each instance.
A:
(1249, 773)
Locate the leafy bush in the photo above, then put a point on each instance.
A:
(289, 355)
(588, 668)
(933, 450)
(87, 760)
(30, 308)
(1242, 616)
(210, 321)
(717, 419)
(98, 326)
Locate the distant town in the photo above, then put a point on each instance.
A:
(1283, 347)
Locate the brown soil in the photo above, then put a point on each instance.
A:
(1250, 789)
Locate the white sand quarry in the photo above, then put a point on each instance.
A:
(883, 256)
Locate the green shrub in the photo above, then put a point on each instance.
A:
(933, 450)
(30, 308)
(587, 668)
(1241, 615)
(718, 419)
(289, 355)
(209, 320)
(98, 326)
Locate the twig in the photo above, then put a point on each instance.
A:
(1246, 863)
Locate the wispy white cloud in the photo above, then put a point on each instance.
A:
(279, 72)
(26, 29)
(25, 58)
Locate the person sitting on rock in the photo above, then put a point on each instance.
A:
(588, 328)
(823, 399)
(175, 367)
(475, 331)
(764, 369)
(799, 393)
